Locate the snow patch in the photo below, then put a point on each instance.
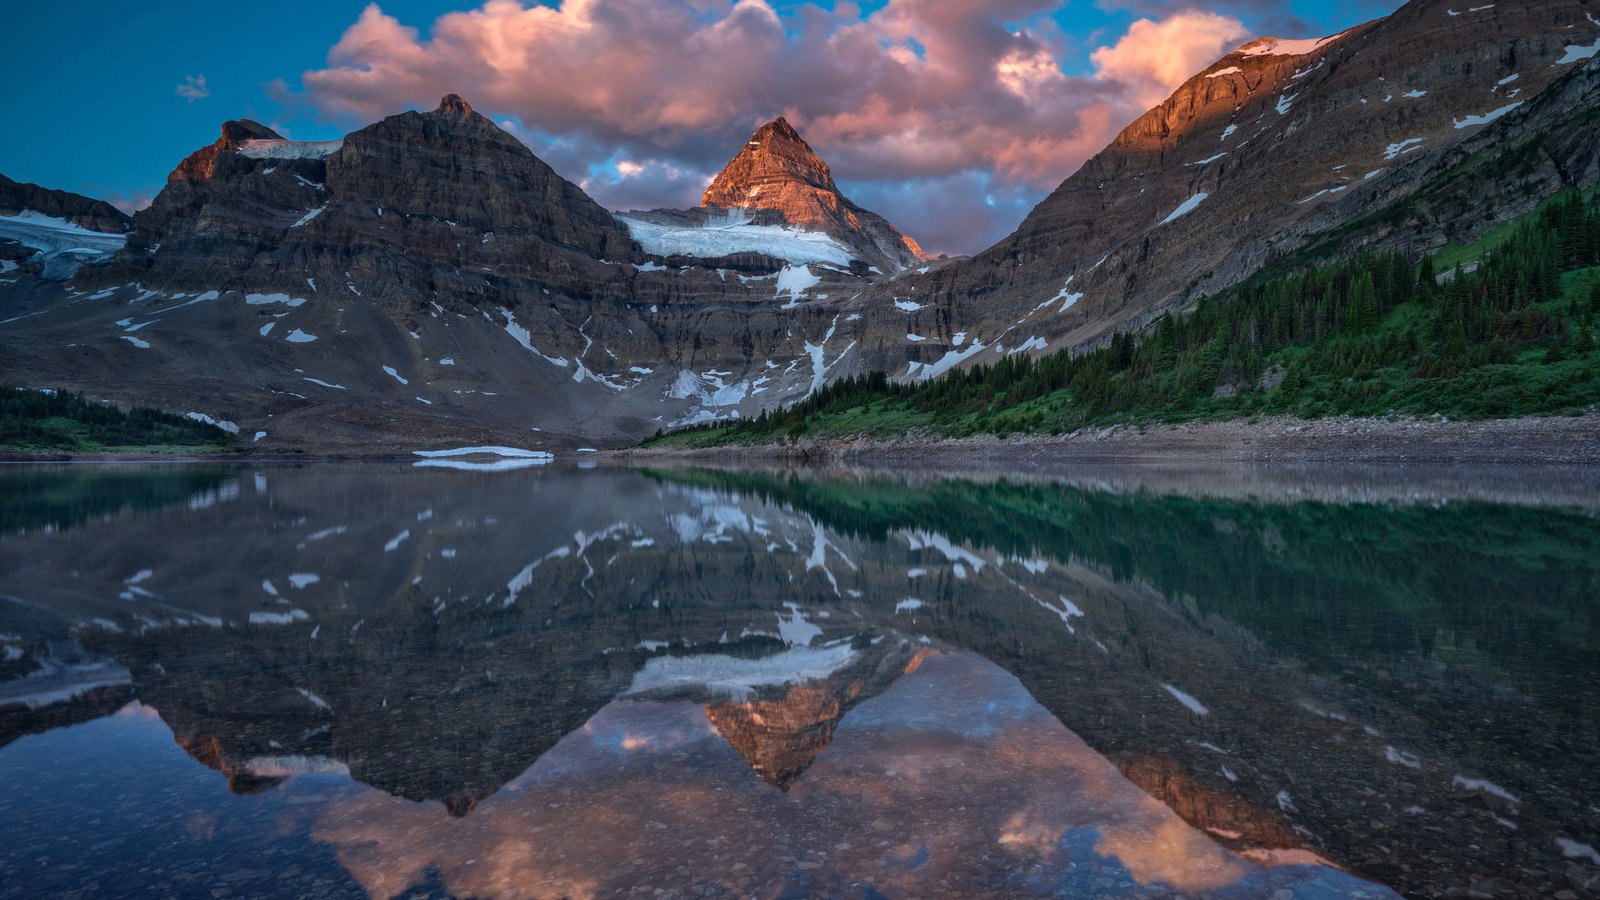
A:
(1275, 47)
(1486, 118)
(738, 678)
(1578, 53)
(275, 618)
(512, 452)
(734, 233)
(266, 148)
(1195, 706)
(265, 299)
(1409, 145)
(224, 424)
(1188, 206)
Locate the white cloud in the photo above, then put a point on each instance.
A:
(193, 88)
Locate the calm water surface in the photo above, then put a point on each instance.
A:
(559, 682)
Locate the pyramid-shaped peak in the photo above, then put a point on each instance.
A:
(236, 131)
(774, 157)
(781, 128)
(454, 105)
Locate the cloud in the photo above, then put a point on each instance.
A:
(1274, 16)
(193, 88)
(642, 100)
(1154, 57)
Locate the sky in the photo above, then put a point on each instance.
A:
(950, 117)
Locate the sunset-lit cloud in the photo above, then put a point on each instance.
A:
(1156, 56)
(642, 101)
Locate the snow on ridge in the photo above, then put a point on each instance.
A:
(1275, 47)
(1231, 70)
(266, 148)
(734, 233)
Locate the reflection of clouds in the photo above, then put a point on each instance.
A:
(141, 711)
(951, 782)
(1171, 853)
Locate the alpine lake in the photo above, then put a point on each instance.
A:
(596, 679)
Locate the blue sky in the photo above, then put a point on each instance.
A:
(103, 115)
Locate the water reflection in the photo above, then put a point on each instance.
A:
(554, 683)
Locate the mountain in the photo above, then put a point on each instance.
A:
(84, 212)
(428, 281)
(1247, 161)
(777, 197)
(424, 280)
(777, 170)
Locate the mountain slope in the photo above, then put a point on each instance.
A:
(1244, 162)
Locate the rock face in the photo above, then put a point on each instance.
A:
(777, 170)
(84, 212)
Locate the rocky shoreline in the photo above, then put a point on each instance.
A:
(1278, 439)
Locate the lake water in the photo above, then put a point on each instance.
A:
(382, 680)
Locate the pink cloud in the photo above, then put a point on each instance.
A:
(1154, 57)
(641, 100)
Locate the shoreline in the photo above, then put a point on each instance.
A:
(1535, 441)
(1532, 441)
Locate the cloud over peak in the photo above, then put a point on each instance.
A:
(641, 100)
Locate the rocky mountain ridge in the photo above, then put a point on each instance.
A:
(84, 212)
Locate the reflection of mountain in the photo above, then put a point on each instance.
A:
(434, 635)
(780, 737)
